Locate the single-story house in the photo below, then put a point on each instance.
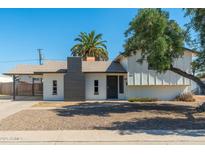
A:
(21, 78)
(5, 79)
(122, 78)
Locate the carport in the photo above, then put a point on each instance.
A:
(35, 72)
(24, 70)
(16, 85)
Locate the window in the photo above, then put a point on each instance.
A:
(150, 67)
(121, 84)
(96, 87)
(54, 87)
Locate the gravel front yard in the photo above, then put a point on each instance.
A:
(113, 116)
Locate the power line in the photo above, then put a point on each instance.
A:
(56, 59)
(22, 60)
(28, 60)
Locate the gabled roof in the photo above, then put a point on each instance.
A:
(102, 66)
(185, 50)
(192, 51)
(61, 67)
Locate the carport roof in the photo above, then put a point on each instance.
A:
(30, 69)
(61, 67)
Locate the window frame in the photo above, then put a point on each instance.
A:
(96, 87)
(55, 88)
(121, 84)
(150, 67)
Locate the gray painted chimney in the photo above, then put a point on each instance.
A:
(74, 80)
(74, 64)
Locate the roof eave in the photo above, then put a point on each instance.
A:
(18, 74)
(40, 73)
(117, 59)
(103, 72)
(190, 50)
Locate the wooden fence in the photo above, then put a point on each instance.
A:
(22, 89)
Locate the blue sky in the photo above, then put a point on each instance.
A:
(22, 31)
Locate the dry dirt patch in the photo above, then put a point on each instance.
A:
(115, 116)
(55, 104)
(66, 104)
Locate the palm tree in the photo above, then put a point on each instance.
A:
(90, 45)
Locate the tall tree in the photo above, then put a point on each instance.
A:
(90, 45)
(197, 41)
(160, 41)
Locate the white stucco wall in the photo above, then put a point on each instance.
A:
(101, 77)
(139, 74)
(48, 86)
(143, 82)
(160, 92)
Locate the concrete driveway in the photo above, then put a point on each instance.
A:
(9, 107)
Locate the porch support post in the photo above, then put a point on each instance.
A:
(33, 86)
(14, 87)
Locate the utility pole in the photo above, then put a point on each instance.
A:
(40, 63)
(40, 56)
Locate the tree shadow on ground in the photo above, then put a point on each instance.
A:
(160, 126)
(187, 124)
(105, 109)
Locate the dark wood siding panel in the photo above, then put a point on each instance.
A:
(74, 80)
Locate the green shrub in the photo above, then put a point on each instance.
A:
(187, 97)
(201, 108)
(142, 99)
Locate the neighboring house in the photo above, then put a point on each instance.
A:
(21, 78)
(28, 79)
(5, 79)
(122, 78)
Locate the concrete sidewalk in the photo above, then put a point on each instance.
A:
(102, 137)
